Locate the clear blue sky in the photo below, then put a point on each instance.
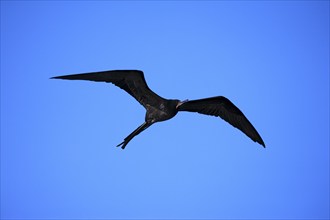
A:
(58, 138)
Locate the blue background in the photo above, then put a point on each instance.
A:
(58, 138)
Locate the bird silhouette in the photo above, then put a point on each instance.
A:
(161, 109)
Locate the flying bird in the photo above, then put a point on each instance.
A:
(161, 109)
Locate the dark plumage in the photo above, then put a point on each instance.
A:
(160, 109)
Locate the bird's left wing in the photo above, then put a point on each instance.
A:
(224, 108)
(132, 81)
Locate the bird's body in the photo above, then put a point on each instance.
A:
(161, 112)
(161, 109)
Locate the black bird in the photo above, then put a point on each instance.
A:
(160, 109)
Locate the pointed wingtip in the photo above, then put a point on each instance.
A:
(55, 77)
(262, 144)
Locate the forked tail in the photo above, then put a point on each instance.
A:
(137, 131)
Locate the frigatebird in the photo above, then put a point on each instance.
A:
(161, 109)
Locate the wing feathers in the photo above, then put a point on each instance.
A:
(132, 81)
(222, 107)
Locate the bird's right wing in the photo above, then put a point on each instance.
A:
(224, 108)
(132, 81)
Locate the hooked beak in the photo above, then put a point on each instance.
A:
(181, 102)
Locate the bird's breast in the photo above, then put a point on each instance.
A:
(159, 113)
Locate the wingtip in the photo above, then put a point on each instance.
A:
(64, 77)
(55, 77)
(262, 144)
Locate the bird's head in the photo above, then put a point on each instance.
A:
(181, 102)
